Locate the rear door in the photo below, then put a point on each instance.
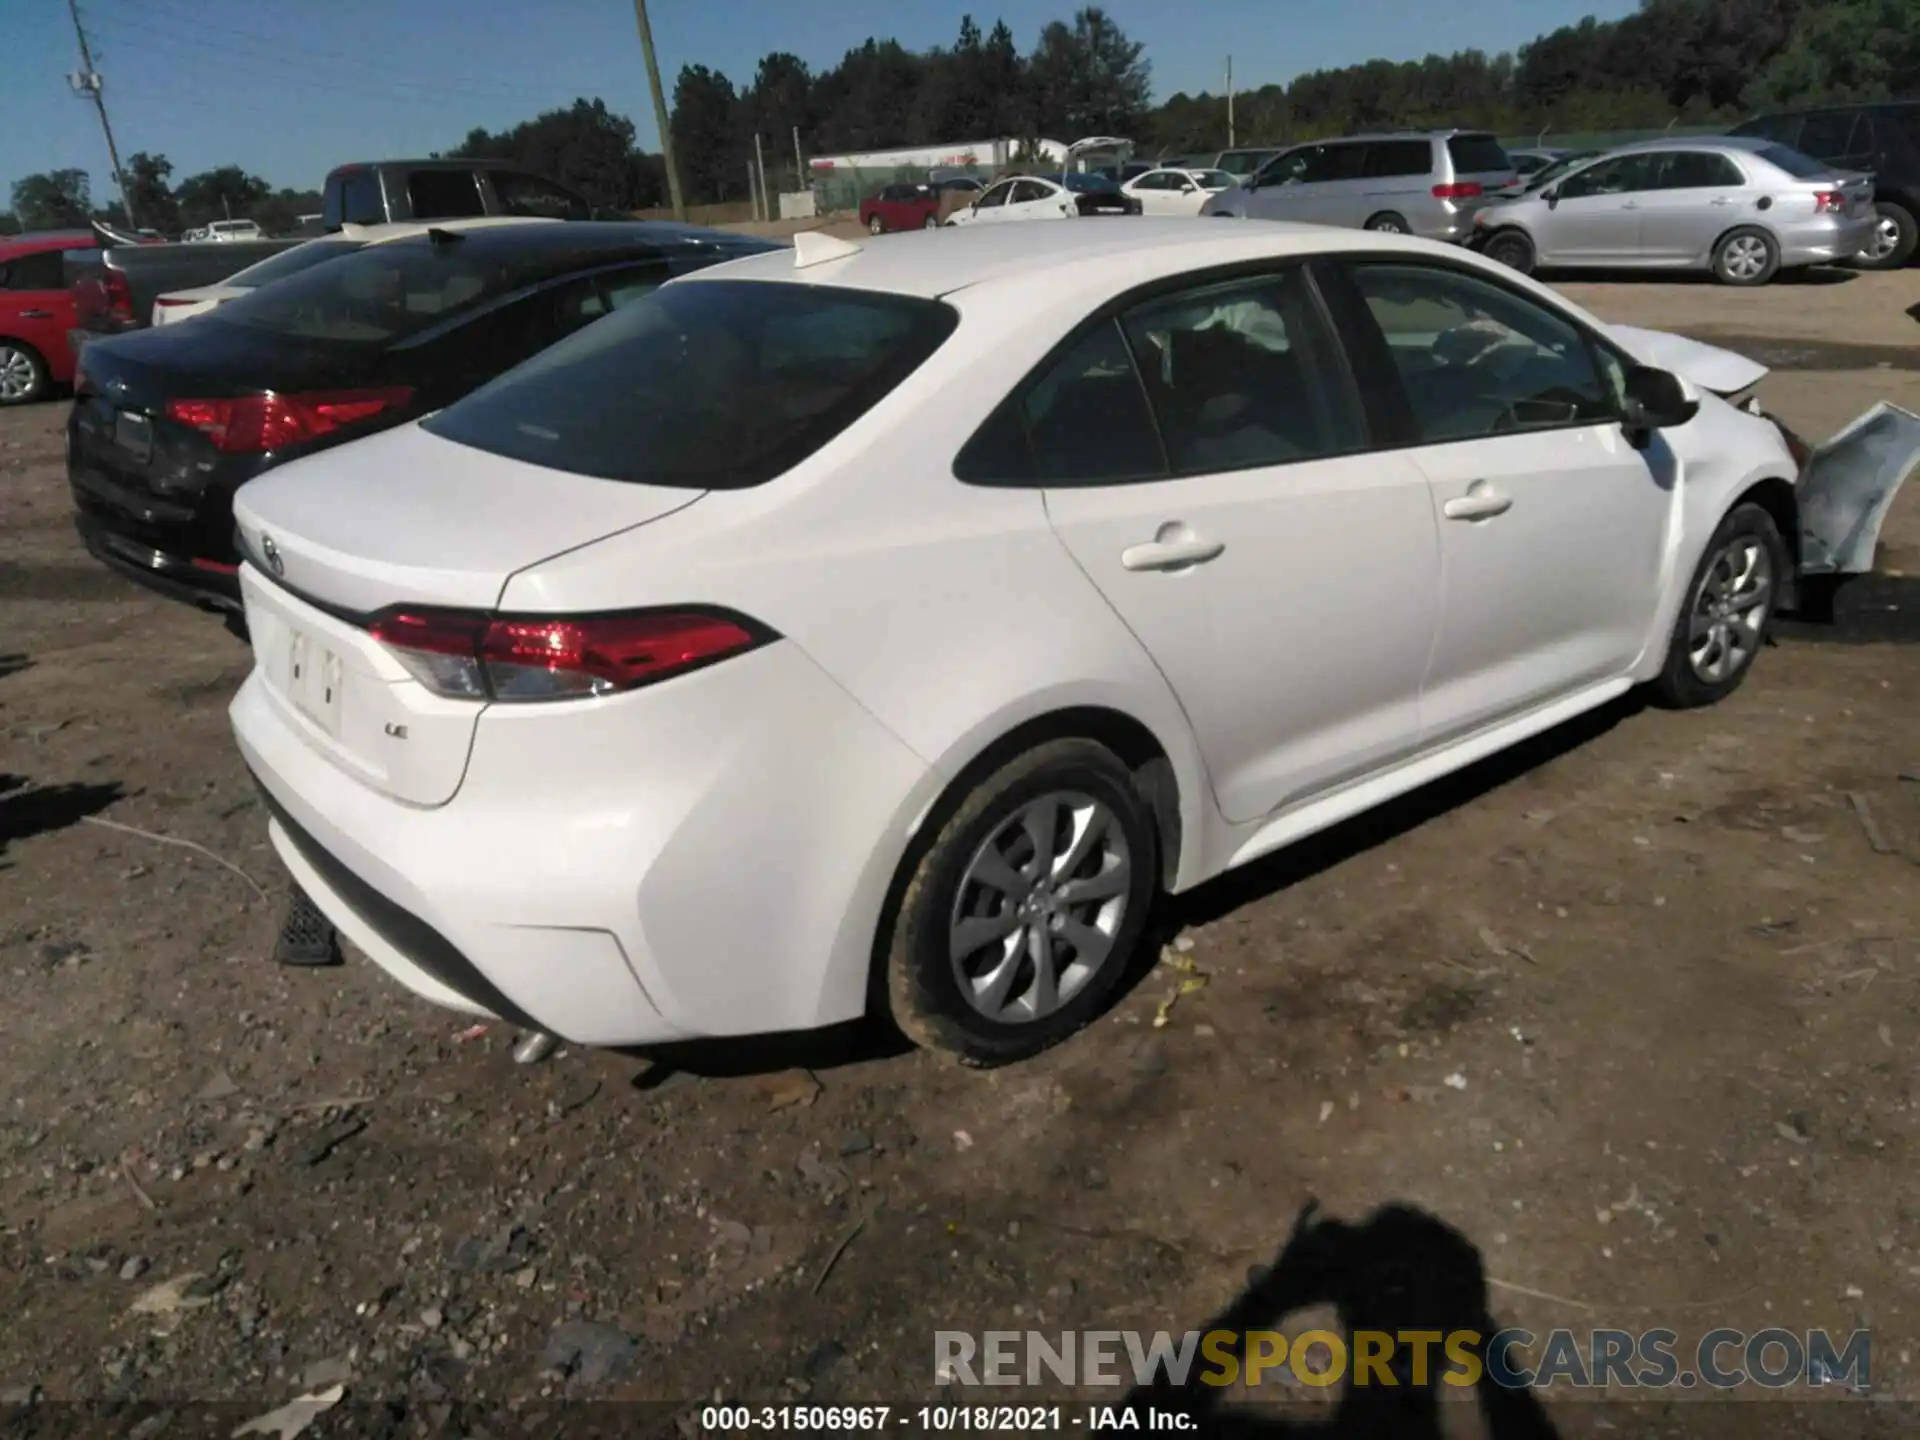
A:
(1595, 219)
(37, 309)
(1036, 200)
(1693, 200)
(1221, 497)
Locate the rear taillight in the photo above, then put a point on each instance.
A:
(1829, 202)
(467, 655)
(167, 302)
(253, 424)
(119, 296)
(1458, 190)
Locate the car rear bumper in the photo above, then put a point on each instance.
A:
(707, 857)
(1825, 242)
(205, 583)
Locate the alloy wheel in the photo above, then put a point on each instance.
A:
(1039, 907)
(1729, 610)
(18, 374)
(1884, 240)
(1745, 257)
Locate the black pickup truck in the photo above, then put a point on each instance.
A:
(114, 286)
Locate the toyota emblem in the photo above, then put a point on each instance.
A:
(272, 552)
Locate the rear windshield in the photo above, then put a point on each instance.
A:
(293, 261)
(1801, 167)
(1477, 155)
(713, 385)
(380, 294)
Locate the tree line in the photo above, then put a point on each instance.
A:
(1691, 61)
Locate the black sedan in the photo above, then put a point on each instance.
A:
(168, 423)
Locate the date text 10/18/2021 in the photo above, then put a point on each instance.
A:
(940, 1419)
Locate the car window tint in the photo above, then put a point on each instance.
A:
(1334, 162)
(1242, 375)
(1291, 166)
(1827, 135)
(1698, 170)
(42, 270)
(1623, 175)
(529, 195)
(706, 385)
(1027, 191)
(996, 196)
(292, 262)
(1795, 162)
(1477, 155)
(1476, 359)
(444, 195)
(1087, 419)
(1388, 159)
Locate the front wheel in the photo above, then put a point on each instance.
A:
(876, 226)
(1388, 224)
(1025, 912)
(932, 222)
(1511, 248)
(1729, 605)
(1745, 257)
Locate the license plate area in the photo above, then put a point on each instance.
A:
(133, 433)
(315, 680)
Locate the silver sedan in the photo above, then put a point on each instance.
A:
(1744, 209)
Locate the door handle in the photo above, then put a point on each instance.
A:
(1721, 200)
(1478, 503)
(1630, 205)
(1171, 554)
(36, 314)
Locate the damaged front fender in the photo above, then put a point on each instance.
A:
(1847, 487)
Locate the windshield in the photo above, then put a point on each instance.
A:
(1801, 167)
(291, 262)
(1551, 172)
(379, 294)
(719, 384)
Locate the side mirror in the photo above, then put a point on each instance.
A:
(1655, 400)
(1551, 195)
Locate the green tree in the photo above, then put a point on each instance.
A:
(153, 199)
(52, 200)
(1088, 78)
(228, 193)
(586, 147)
(707, 135)
(1853, 50)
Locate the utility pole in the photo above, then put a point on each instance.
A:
(1230, 102)
(659, 110)
(760, 160)
(86, 83)
(799, 165)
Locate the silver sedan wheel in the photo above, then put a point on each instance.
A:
(1745, 257)
(1039, 907)
(18, 374)
(1729, 610)
(1884, 240)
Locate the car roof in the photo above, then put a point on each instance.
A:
(1398, 135)
(568, 244)
(48, 240)
(1745, 144)
(1099, 256)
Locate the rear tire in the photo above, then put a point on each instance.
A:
(1512, 248)
(23, 374)
(1388, 222)
(932, 222)
(1728, 610)
(987, 911)
(1745, 257)
(1895, 241)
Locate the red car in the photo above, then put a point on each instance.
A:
(36, 311)
(901, 207)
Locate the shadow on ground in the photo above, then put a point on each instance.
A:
(27, 809)
(1875, 609)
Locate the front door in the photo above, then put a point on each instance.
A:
(37, 309)
(1595, 219)
(1223, 500)
(1553, 528)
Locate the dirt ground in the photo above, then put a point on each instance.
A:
(1635, 1010)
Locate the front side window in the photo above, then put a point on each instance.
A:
(996, 196)
(1291, 166)
(42, 270)
(1335, 162)
(1243, 374)
(707, 385)
(1623, 175)
(1477, 360)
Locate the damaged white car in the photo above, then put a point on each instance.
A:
(886, 627)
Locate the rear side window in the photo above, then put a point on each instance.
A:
(1797, 164)
(1769, 127)
(1477, 155)
(715, 385)
(444, 195)
(353, 198)
(1390, 159)
(1698, 170)
(536, 199)
(377, 295)
(1827, 135)
(42, 270)
(1087, 418)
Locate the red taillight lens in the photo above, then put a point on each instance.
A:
(253, 424)
(1458, 190)
(464, 655)
(119, 296)
(1829, 202)
(167, 302)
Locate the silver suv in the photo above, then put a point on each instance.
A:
(1427, 184)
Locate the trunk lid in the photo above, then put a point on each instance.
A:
(403, 517)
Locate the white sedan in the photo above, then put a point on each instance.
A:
(1024, 197)
(889, 627)
(1171, 191)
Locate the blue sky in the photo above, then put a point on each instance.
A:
(289, 88)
